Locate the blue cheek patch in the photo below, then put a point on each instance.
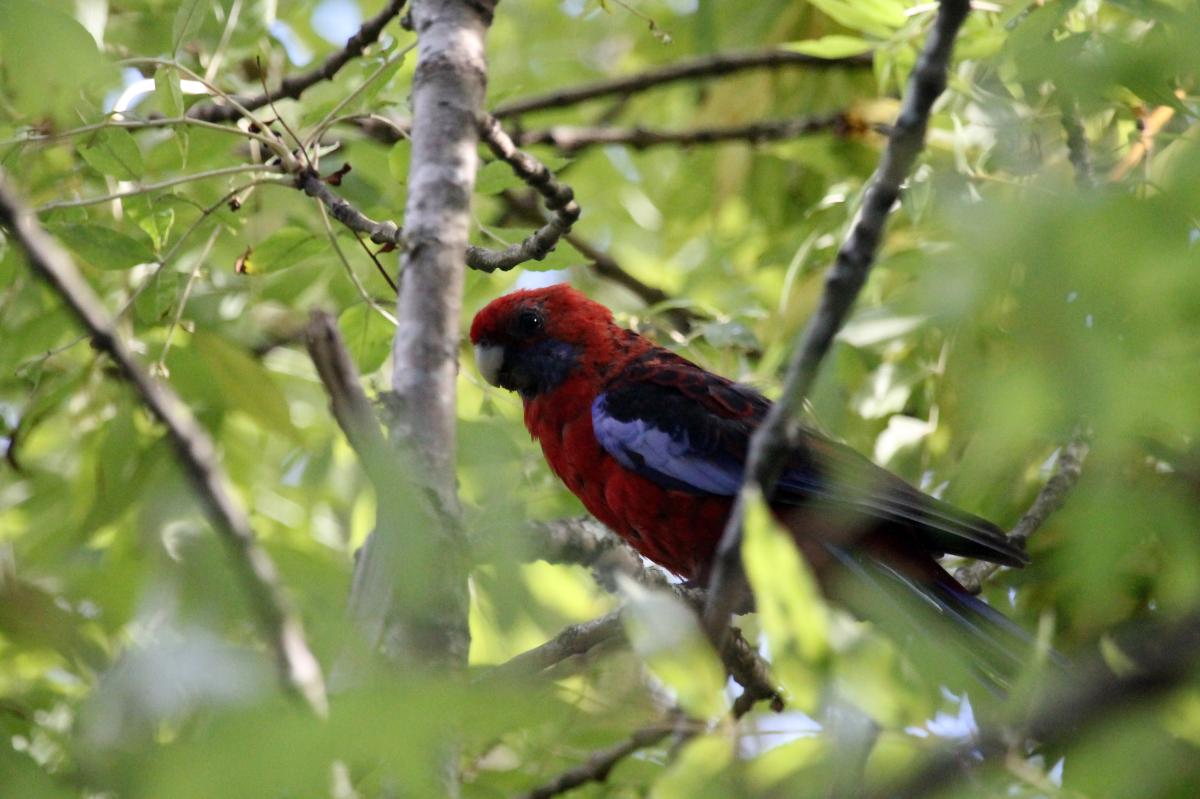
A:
(546, 364)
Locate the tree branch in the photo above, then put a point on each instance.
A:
(603, 264)
(705, 67)
(558, 197)
(292, 87)
(1067, 469)
(601, 762)
(571, 140)
(299, 670)
(386, 232)
(410, 587)
(773, 441)
(742, 661)
(351, 408)
(575, 639)
(578, 540)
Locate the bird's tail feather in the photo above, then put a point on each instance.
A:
(995, 648)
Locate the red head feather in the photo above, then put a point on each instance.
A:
(568, 315)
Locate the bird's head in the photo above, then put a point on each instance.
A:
(531, 341)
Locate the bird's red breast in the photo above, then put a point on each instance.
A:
(677, 530)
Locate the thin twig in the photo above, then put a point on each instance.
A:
(571, 140)
(386, 232)
(575, 639)
(358, 284)
(183, 238)
(161, 364)
(387, 278)
(218, 54)
(558, 197)
(277, 145)
(603, 264)
(292, 87)
(705, 67)
(601, 762)
(1067, 468)
(300, 672)
(138, 124)
(165, 184)
(773, 442)
(334, 113)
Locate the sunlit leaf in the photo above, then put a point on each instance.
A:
(368, 336)
(283, 248)
(667, 636)
(48, 58)
(104, 247)
(113, 152)
(495, 177)
(245, 384)
(794, 615)
(189, 17)
(832, 46)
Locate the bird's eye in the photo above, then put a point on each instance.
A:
(529, 322)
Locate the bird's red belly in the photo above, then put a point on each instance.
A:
(675, 529)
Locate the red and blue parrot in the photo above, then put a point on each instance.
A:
(655, 446)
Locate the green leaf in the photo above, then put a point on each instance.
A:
(244, 383)
(878, 326)
(170, 95)
(666, 634)
(398, 159)
(495, 177)
(368, 336)
(47, 59)
(832, 46)
(877, 17)
(371, 93)
(153, 216)
(152, 304)
(188, 20)
(697, 770)
(283, 248)
(793, 611)
(729, 335)
(103, 247)
(113, 152)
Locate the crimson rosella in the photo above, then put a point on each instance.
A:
(655, 446)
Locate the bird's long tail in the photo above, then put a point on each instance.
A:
(943, 613)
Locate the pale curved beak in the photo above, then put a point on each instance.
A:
(489, 358)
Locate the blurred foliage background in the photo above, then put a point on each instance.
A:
(1018, 298)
